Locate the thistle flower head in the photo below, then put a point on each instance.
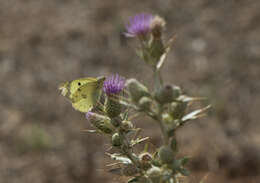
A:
(114, 84)
(139, 25)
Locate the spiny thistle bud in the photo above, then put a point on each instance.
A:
(157, 26)
(177, 109)
(100, 122)
(167, 94)
(145, 156)
(155, 49)
(116, 140)
(113, 85)
(154, 174)
(166, 154)
(136, 90)
(112, 107)
(145, 103)
(126, 126)
(145, 160)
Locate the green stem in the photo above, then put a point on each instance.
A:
(165, 136)
(157, 85)
(127, 152)
(157, 80)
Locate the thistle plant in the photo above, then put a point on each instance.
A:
(166, 105)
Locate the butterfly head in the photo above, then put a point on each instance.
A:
(64, 87)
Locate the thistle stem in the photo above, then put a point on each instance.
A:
(165, 136)
(157, 85)
(157, 80)
(127, 152)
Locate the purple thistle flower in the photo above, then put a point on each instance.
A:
(139, 25)
(114, 84)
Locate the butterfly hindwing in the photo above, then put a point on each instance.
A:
(84, 98)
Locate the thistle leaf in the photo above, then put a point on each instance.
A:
(195, 114)
(119, 157)
(138, 141)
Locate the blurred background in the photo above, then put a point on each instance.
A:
(45, 42)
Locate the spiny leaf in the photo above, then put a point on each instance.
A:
(119, 157)
(195, 114)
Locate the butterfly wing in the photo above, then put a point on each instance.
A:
(86, 96)
(83, 93)
(83, 99)
(76, 84)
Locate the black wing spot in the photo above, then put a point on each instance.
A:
(84, 96)
(79, 83)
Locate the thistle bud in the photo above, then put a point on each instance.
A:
(136, 89)
(166, 154)
(157, 26)
(145, 103)
(112, 107)
(145, 160)
(154, 174)
(126, 126)
(100, 122)
(116, 140)
(145, 156)
(177, 109)
(167, 94)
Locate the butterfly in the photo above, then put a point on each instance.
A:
(83, 93)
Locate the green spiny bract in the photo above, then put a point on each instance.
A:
(167, 94)
(112, 107)
(116, 139)
(101, 122)
(166, 154)
(136, 90)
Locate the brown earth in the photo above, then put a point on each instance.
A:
(45, 42)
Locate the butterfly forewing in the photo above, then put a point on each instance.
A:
(76, 84)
